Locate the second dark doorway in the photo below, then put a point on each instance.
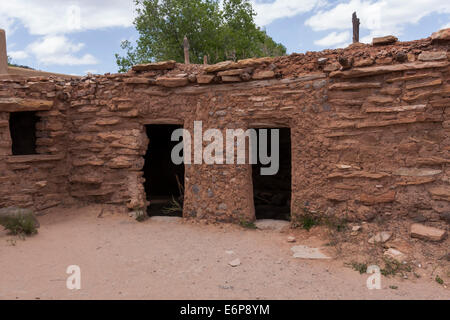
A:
(164, 181)
(272, 193)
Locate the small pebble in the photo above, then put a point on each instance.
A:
(235, 263)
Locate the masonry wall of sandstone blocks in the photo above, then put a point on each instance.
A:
(370, 131)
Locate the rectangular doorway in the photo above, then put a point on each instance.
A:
(22, 126)
(164, 180)
(272, 193)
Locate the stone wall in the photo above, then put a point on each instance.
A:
(369, 129)
(38, 181)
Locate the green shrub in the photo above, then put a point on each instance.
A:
(393, 287)
(393, 267)
(247, 224)
(174, 207)
(360, 267)
(21, 224)
(334, 223)
(307, 219)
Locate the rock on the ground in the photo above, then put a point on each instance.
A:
(423, 232)
(305, 252)
(291, 239)
(380, 237)
(6, 214)
(268, 224)
(395, 255)
(235, 263)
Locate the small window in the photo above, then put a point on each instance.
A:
(22, 126)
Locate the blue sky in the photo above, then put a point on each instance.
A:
(80, 36)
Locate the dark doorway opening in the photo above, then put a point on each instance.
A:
(164, 180)
(22, 126)
(272, 193)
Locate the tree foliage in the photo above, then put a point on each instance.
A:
(226, 32)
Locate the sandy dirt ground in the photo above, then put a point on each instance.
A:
(124, 259)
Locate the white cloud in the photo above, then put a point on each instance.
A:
(52, 20)
(380, 17)
(7, 24)
(18, 55)
(269, 12)
(334, 39)
(58, 50)
(46, 17)
(446, 26)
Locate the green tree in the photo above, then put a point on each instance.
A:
(219, 33)
(270, 48)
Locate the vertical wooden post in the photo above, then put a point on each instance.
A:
(356, 23)
(3, 53)
(186, 50)
(205, 60)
